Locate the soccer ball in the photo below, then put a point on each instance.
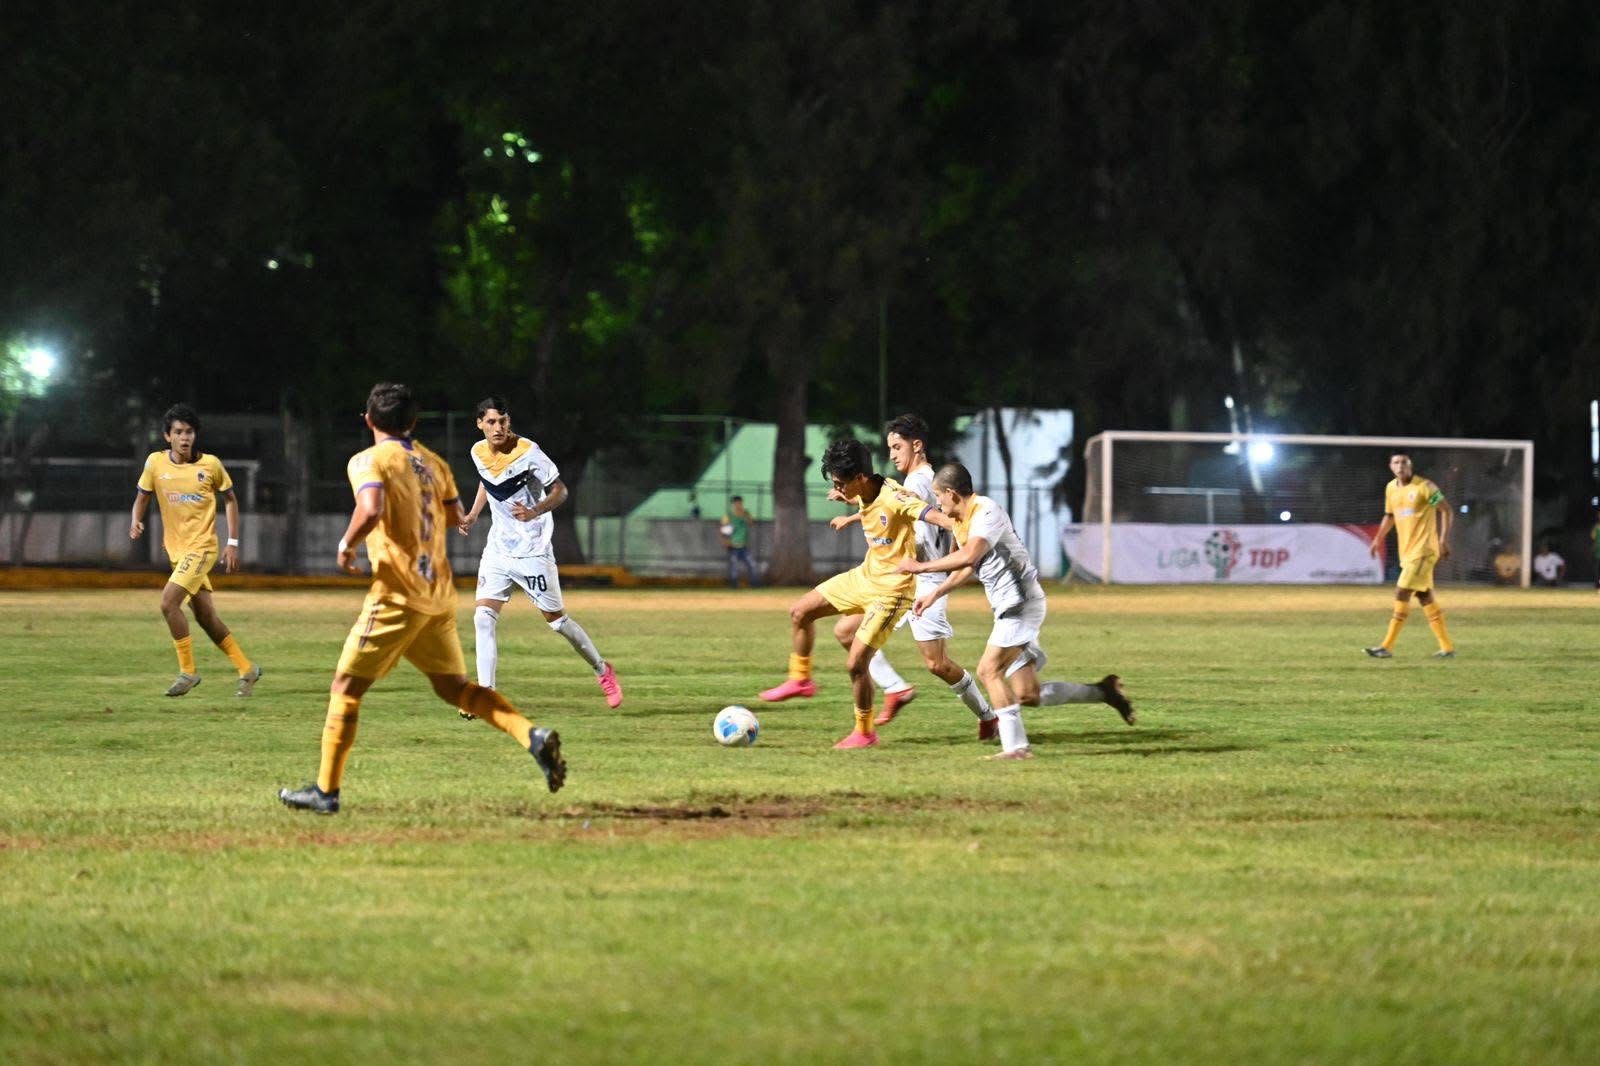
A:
(735, 727)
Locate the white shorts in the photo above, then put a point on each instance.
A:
(534, 574)
(1018, 627)
(934, 623)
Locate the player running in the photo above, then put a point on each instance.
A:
(1416, 509)
(989, 546)
(186, 484)
(521, 486)
(907, 438)
(876, 590)
(405, 494)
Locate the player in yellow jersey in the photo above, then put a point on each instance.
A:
(186, 484)
(406, 501)
(1416, 510)
(876, 589)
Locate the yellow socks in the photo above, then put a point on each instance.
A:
(799, 667)
(1401, 609)
(185, 649)
(231, 649)
(864, 720)
(338, 737)
(495, 709)
(1435, 618)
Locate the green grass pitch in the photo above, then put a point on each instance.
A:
(1298, 855)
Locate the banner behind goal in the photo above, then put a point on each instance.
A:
(1231, 508)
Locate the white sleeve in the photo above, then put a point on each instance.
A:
(990, 524)
(540, 466)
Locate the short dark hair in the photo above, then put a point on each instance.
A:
(955, 477)
(846, 459)
(180, 412)
(492, 403)
(907, 426)
(392, 408)
(731, 499)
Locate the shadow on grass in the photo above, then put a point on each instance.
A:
(1141, 742)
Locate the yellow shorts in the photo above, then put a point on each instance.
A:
(880, 605)
(1417, 574)
(385, 631)
(189, 570)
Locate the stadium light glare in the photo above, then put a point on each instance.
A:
(1284, 516)
(1262, 451)
(39, 364)
(1227, 401)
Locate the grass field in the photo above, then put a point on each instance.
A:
(1299, 855)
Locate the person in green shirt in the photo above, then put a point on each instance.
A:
(735, 534)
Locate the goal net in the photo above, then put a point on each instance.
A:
(1286, 508)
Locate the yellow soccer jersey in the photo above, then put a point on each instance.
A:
(407, 549)
(1414, 508)
(890, 525)
(187, 495)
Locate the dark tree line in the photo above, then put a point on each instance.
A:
(1353, 217)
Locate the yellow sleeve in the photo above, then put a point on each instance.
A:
(147, 477)
(362, 472)
(907, 503)
(220, 473)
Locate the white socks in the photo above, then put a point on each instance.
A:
(884, 675)
(972, 696)
(1012, 735)
(1052, 693)
(580, 642)
(485, 620)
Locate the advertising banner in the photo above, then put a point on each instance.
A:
(1154, 553)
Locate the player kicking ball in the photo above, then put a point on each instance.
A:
(907, 439)
(405, 496)
(521, 486)
(988, 546)
(876, 590)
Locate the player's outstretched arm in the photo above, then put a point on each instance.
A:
(230, 551)
(471, 517)
(841, 521)
(963, 557)
(955, 580)
(141, 504)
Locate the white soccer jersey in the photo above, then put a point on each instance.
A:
(1006, 569)
(932, 542)
(521, 475)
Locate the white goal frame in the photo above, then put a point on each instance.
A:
(1107, 441)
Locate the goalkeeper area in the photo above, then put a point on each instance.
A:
(1226, 508)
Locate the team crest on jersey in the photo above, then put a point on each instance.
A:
(200, 474)
(883, 520)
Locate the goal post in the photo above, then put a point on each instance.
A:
(1233, 508)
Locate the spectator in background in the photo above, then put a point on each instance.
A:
(1549, 569)
(735, 534)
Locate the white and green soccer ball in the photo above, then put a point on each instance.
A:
(735, 727)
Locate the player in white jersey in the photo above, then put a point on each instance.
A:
(989, 547)
(521, 487)
(907, 438)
